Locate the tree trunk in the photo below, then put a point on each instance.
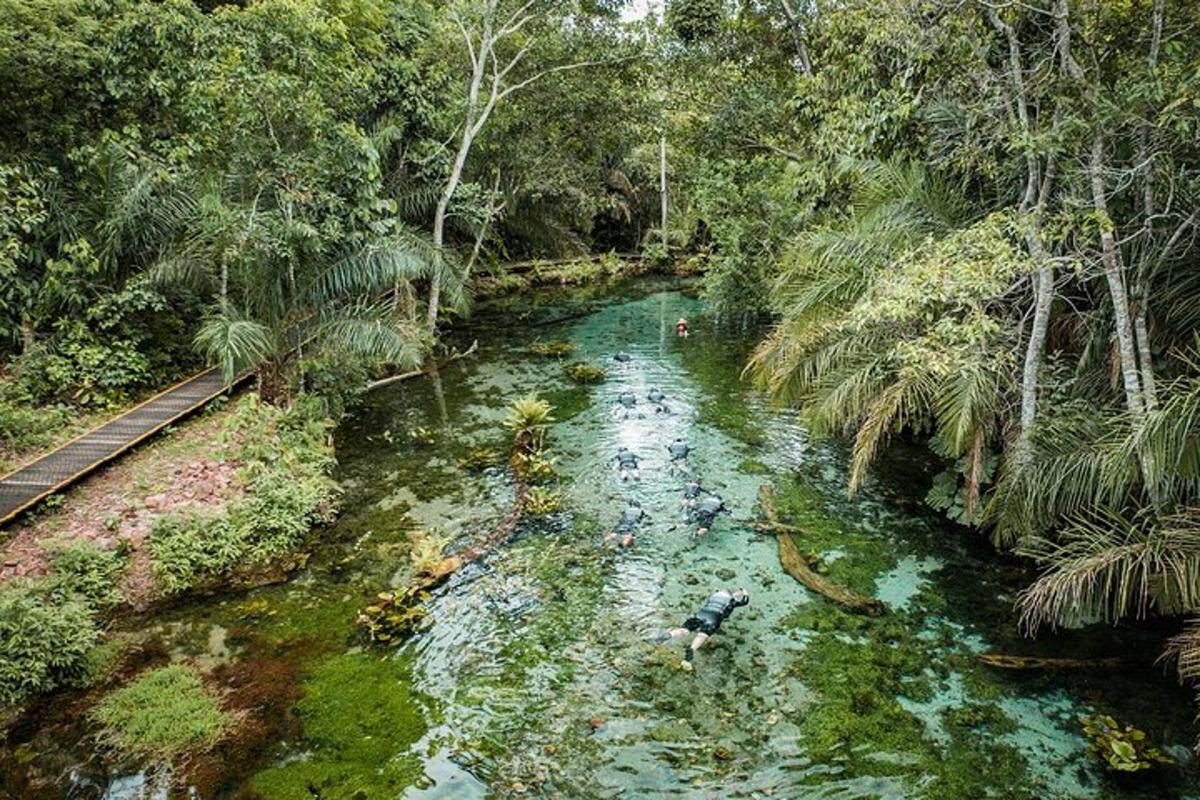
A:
(28, 334)
(799, 36)
(662, 184)
(1110, 258)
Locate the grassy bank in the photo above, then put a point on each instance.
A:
(231, 496)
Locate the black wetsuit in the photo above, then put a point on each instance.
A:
(627, 459)
(622, 357)
(656, 396)
(692, 491)
(627, 399)
(708, 509)
(630, 518)
(678, 449)
(716, 609)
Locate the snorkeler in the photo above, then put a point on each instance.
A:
(707, 621)
(679, 450)
(623, 357)
(626, 401)
(691, 493)
(627, 525)
(657, 397)
(627, 464)
(706, 511)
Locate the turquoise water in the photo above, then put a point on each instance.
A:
(537, 674)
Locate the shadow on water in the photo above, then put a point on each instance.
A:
(538, 674)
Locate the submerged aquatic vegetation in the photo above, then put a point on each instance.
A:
(422, 436)
(534, 467)
(161, 716)
(552, 349)
(359, 721)
(542, 502)
(395, 615)
(583, 372)
(480, 458)
(1122, 748)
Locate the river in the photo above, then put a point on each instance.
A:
(538, 674)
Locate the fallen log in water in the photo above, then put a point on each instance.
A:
(1003, 661)
(425, 370)
(794, 563)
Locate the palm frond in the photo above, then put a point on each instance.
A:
(234, 342)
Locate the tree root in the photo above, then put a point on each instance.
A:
(795, 565)
(1003, 661)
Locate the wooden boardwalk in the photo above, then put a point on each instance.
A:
(26, 487)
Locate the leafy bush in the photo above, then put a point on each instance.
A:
(337, 377)
(24, 426)
(84, 572)
(160, 716)
(42, 642)
(287, 460)
(124, 342)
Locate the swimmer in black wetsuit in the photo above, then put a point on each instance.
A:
(627, 464)
(655, 396)
(679, 450)
(707, 621)
(691, 493)
(626, 527)
(626, 401)
(623, 357)
(706, 511)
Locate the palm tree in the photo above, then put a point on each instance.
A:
(288, 303)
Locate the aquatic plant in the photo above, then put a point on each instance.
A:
(426, 553)
(582, 372)
(395, 615)
(534, 467)
(360, 718)
(422, 436)
(161, 716)
(541, 501)
(480, 458)
(1124, 749)
(528, 417)
(552, 349)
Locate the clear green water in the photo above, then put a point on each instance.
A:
(536, 676)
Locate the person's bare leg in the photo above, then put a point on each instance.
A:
(699, 641)
(627, 540)
(675, 633)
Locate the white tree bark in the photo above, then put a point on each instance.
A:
(799, 36)
(662, 184)
(1110, 258)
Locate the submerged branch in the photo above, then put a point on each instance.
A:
(795, 565)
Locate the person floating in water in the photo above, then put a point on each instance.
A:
(681, 328)
(626, 527)
(679, 450)
(691, 493)
(626, 402)
(707, 621)
(706, 512)
(627, 464)
(623, 357)
(657, 397)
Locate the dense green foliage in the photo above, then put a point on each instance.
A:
(160, 716)
(48, 626)
(972, 226)
(285, 463)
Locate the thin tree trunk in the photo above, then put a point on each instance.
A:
(662, 185)
(28, 334)
(1146, 157)
(799, 36)
(1110, 258)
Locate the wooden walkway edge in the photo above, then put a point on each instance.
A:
(27, 486)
